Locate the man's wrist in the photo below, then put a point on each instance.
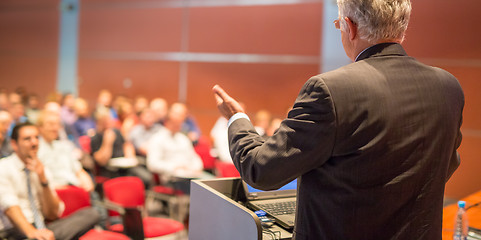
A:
(237, 116)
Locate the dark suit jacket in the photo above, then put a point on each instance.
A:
(372, 143)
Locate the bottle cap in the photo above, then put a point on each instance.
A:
(461, 204)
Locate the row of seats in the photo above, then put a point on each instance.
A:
(125, 196)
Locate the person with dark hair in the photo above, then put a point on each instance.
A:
(27, 198)
(113, 154)
(372, 143)
(17, 111)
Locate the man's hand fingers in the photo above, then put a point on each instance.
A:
(219, 92)
(218, 99)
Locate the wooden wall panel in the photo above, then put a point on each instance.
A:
(444, 29)
(470, 80)
(29, 28)
(28, 45)
(35, 74)
(466, 179)
(112, 29)
(148, 78)
(281, 29)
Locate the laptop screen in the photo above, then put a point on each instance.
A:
(287, 190)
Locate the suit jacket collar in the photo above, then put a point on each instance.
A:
(382, 49)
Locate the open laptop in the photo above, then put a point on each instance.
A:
(279, 204)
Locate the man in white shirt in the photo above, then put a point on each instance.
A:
(58, 156)
(27, 198)
(141, 133)
(171, 154)
(221, 142)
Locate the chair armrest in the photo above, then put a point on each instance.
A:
(133, 223)
(159, 196)
(111, 206)
(131, 218)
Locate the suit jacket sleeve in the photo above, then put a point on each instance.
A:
(303, 142)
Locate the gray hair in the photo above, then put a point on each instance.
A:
(376, 19)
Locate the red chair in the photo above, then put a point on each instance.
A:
(76, 198)
(84, 142)
(126, 195)
(224, 169)
(202, 148)
(177, 202)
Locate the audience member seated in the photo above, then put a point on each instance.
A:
(189, 126)
(141, 133)
(54, 107)
(160, 108)
(140, 104)
(104, 101)
(220, 139)
(85, 125)
(17, 111)
(4, 103)
(14, 97)
(60, 157)
(127, 117)
(27, 198)
(273, 126)
(33, 108)
(68, 116)
(262, 120)
(67, 112)
(5, 121)
(114, 156)
(171, 154)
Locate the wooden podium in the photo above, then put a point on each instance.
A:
(217, 213)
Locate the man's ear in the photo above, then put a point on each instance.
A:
(352, 27)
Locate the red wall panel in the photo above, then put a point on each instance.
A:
(282, 29)
(149, 78)
(28, 45)
(113, 29)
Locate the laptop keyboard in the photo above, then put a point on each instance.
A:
(279, 208)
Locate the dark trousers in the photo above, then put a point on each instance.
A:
(71, 227)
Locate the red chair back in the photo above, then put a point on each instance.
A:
(125, 191)
(84, 142)
(224, 169)
(202, 148)
(74, 198)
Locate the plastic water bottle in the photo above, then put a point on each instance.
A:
(461, 223)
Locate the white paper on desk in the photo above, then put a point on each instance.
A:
(123, 162)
